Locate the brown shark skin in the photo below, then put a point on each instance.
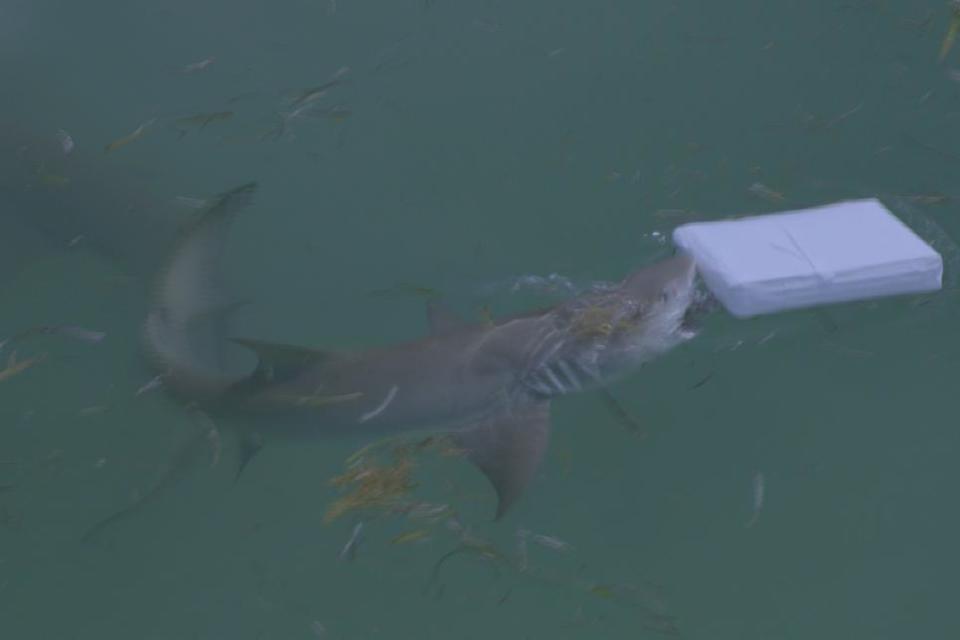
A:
(491, 384)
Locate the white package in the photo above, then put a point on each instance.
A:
(841, 252)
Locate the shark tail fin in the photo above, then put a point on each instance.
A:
(185, 332)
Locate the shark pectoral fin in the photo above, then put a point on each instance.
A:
(280, 361)
(508, 449)
(442, 320)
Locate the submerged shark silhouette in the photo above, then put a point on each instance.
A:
(489, 385)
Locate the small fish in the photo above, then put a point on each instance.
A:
(758, 496)
(621, 414)
(337, 113)
(318, 400)
(201, 120)
(602, 591)
(170, 474)
(843, 116)
(929, 200)
(213, 438)
(68, 330)
(919, 24)
(469, 545)
(483, 25)
(52, 180)
(193, 67)
(154, 383)
(311, 94)
(952, 30)
(486, 316)
(79, 333)
(704, 380)
(349, 550)
(130, 137)
(194, 203)
(428, 511)
(66, 142)
(417, 535)
(764, 192)
(15, 367)
(550, 542)
(522, 558)
(318, 629)
(455, 525)
(215, 447)
(246, 95)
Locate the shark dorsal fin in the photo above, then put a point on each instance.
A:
(508, 449)
(443, 321)
(278, 361)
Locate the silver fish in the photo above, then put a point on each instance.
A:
(349, 550)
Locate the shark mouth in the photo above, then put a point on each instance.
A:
(702, 304)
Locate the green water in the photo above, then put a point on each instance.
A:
(486, 140)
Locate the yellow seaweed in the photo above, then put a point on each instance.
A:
(408, 537)
(372, 487)
(371, 484)
(15, 367)
(952, 31)
(131, 137)
(52, 180)
(201, 120)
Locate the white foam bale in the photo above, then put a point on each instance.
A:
(841, 252)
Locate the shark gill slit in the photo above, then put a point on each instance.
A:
(569, 374)
(553, 380)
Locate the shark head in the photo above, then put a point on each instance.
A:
(603, 335)
(653, 308)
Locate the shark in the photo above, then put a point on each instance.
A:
(488, 385)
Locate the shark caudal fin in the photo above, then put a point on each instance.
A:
(185, 330)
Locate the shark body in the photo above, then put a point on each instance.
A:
(489, 385)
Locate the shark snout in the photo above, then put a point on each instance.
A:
(685, 269)
(677, 284)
